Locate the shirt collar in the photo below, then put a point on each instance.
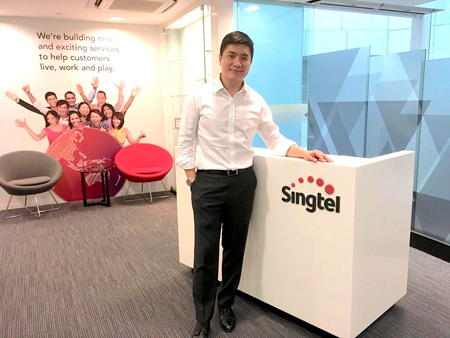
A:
(218, 85)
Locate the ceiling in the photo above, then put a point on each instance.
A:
(84, 10)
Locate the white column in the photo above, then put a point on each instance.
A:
(417, 33)
(221, 24)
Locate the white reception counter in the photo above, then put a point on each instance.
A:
(328, 243)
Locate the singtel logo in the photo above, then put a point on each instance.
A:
(312, 202)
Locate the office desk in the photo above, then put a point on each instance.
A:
(328, 243)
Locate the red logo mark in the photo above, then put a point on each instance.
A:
(329, 189)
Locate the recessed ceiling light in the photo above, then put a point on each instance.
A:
(251, 8)
(115, 18)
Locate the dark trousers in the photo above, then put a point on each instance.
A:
(219, 202)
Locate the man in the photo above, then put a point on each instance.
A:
(101, 97)
(71, 98)
(218, 124)
(50, 97)
(62, 108)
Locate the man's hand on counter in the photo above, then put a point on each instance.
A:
(309, 155)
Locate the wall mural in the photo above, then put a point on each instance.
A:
(85, 128)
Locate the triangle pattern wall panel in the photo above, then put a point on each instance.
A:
(337, 90)
(394, 102)
(432, 203)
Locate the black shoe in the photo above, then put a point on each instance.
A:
(201, 330)
(227, 318)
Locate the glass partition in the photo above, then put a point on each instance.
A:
(276, 71)
(337, 91)
(393, 102)
(432, 200)
(358, 104)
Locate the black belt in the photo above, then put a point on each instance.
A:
(225, 172)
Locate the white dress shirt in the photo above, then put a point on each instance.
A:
(217, 130)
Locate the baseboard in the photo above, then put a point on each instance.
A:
(430, 246)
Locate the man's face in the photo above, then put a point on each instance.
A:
(69, 97)
(101, 98)
(95, 118)
(235, 63)
(51, 101)
(62, 110)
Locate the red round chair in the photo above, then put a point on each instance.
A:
(144, 163)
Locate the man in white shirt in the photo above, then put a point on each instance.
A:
(62, 108)
(218, 123)
(101, 96)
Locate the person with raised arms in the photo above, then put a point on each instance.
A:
(50, 97)
(108, 110)
(120, 132)
(72, 99)
(52, 132)
(101, 97)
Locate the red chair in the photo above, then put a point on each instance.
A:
(144, 163)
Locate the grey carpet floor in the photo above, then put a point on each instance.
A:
(114, 272)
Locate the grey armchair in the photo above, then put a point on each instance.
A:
(27, 172)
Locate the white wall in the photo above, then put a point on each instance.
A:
(138, 62)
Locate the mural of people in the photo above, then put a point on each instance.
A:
(69, 124)
(95, 120)
(62, 107)
(54, 129)
(120, 133)
(101, 96)
(84, 109)
(108, 109)
(75, 120)
(51, 99)
(49, 96)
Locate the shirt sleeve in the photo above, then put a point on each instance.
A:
(43, 109)
(119, 104)
(188, 133)
(270, 132)
(91, 94)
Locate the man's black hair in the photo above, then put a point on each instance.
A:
(69, 92)
(49, 94)
(98, 112)
(62, 102)
(236, 38)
